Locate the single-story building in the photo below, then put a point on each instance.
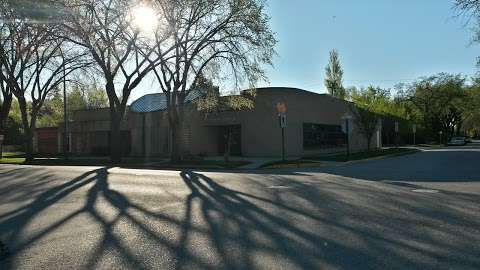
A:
(314, 125)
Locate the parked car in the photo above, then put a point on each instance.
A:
(468, 140)
(458, 141)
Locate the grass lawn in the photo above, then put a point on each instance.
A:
(18, 158)
(365, 155)
(12, 158)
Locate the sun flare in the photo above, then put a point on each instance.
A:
(144, 18)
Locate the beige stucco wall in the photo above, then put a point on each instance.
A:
(261, 134)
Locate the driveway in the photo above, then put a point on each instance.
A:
(360, 216)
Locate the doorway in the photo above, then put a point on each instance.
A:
(235, 131)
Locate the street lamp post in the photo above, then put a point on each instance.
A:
(282, 118)
(65, 118)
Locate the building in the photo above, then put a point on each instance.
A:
(314, 126)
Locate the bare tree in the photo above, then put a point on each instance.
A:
(231, 38)
(468, 7)
(121, 51)
(35, 62)
(6, 96)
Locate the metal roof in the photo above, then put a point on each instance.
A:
(158, 102)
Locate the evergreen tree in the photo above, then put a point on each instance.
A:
(334, 76)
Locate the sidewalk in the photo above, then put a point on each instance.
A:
(255, 163)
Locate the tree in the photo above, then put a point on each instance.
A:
(35, 64)
(81, 97)
(366, 122)
(471, 112)
(96, 99)
(470, 8)
(212, 102)
(121, 51)
(334, 76)
(440, 100)
(369, 103)
(6, 95)
(228, 38)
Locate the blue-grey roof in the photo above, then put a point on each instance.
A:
(158, 102)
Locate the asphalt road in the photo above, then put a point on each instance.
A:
(370, 215)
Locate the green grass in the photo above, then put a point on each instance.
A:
(365, 155)
(12, 158)
(7, 160)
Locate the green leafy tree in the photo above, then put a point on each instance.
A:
(334, 76)
(369, 103)
(471, 112)
(96, 98)
(441, 101)
(78, 98)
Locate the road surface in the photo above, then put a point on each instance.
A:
(419, 211)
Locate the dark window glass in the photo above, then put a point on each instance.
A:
(319, 136)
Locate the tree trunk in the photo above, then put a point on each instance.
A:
(116, 115)
(175, 119)
(176, 128)
(115, 136)
(28, 127)
(4, 111)
(29, 156)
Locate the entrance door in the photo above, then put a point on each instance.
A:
(236, 142)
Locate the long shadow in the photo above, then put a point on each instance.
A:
(304, 227)
(236, 223)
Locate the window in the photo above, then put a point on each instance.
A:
(319, 136)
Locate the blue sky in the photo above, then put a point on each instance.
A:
(381, 42)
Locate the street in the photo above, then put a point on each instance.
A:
(419, 211)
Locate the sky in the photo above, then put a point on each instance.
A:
(380, 42)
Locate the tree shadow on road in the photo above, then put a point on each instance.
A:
(304, 226)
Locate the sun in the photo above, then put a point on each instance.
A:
(144, 18)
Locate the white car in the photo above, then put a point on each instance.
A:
(457, 141)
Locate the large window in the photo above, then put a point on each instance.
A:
(319, 136)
